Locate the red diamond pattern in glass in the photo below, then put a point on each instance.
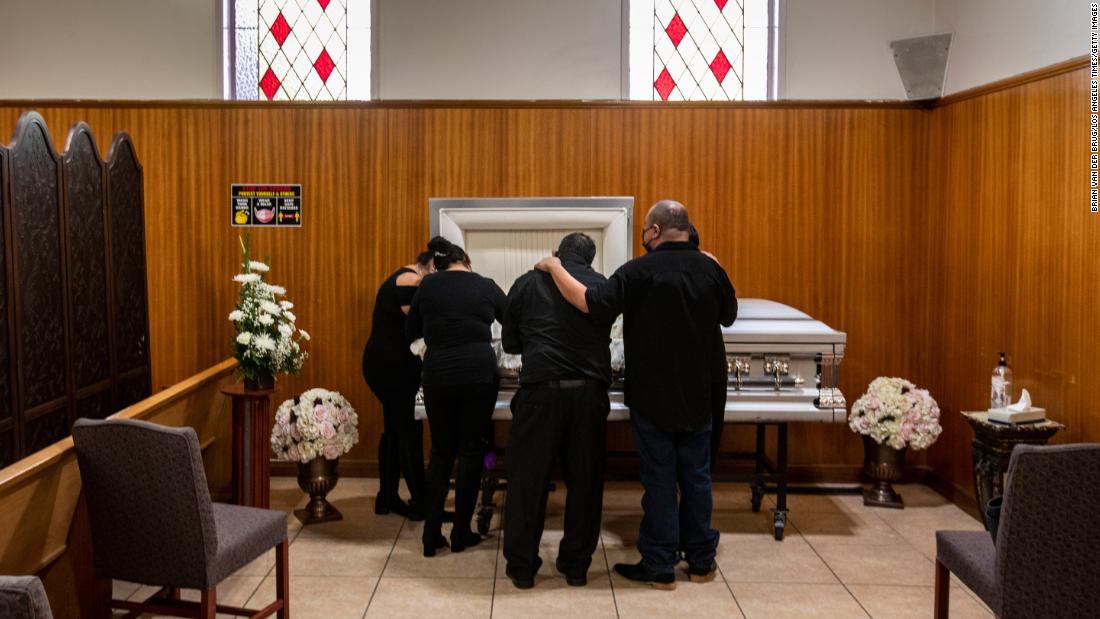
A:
(676, 30)
(721, 4)
(324, 65)
(720, 66)
(324, 4)
(280, 29)
(269, 84)
(664, 84)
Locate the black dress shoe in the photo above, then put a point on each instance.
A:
(383, 506)
(461, 540)
(640, 573)
(703, 574)
(520, 581)
(416, 512)
(433, 542)
(572, 578)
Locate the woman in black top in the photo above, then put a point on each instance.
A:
(454, 311)
(393, 374)
(719, 383)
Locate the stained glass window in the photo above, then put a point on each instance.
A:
(299, 50)
(702, 50)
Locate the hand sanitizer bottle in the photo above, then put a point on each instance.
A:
(1000, 393)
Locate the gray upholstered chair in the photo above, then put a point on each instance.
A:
(22, 597)
(153, 522)
(1046, 561)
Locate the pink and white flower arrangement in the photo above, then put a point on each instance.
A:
(318, 423)
(895, 412)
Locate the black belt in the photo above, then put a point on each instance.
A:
(572, 383)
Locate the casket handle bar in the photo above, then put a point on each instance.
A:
(777, 368)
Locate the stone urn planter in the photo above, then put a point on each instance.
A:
(317, 478)
(884, 465)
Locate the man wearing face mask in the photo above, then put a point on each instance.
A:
(672, 301)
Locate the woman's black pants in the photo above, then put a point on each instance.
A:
(401, 446)
(460, 421)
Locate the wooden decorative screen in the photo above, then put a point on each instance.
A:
(73, 306)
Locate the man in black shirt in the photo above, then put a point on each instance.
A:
(672, 301)
(560, 407)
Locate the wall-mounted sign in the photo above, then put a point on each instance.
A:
(265, 205)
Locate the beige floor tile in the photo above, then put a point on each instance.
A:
(408, 560)
(122, 590)
(233, 591)
(817, 504)
(795, 601)
(621, 528)
(548, 552)
(261, 566)
(321, 597)
(857, 564)
(893, 602)
(440, 598)
(143, 592)
(845, 528)
(358, 523)
(285, 493)
(789, 561)
(921, 532)
(689, 600)
(310, 556)
(757, 526)
(946, 513)
(553, 598)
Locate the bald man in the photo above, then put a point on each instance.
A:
(672, 301)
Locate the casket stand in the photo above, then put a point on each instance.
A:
(783, 369)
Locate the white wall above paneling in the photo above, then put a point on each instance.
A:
(995, 39)
(519, 49)
(110, 49)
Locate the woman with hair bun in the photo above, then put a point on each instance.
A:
(453, 311)
(393, 373)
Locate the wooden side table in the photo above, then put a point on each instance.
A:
(992, 449)
(251, 445)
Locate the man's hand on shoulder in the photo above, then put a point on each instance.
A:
(547, 264)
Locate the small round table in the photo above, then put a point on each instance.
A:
(992, 449)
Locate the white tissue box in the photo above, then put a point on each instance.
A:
(1031, 415)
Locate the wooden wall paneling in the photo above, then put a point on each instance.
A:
(87, 248)
(10, 428)
(1014, 250)
(761, 182)
(125, 208)
(40, 301)
(868, 218)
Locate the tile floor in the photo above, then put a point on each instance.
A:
(839, 559)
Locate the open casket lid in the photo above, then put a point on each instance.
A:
(760, 321)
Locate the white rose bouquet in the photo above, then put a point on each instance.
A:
(267, 339)
(318, 423)
(895, 412)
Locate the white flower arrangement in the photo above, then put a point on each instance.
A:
(895, 412)
(318, 423)
(267, 340)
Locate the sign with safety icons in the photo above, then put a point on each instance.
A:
(265, 205)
